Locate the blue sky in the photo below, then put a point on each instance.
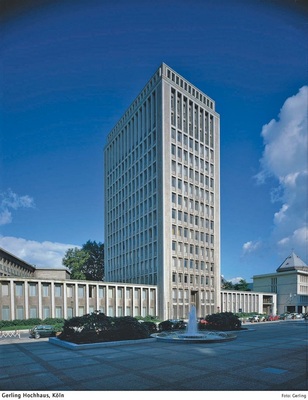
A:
(70, 69)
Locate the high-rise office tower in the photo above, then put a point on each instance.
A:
(162, 196)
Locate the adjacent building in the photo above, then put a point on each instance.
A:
(30, 292)
(248, 302)
(162, 196)
(290, 282)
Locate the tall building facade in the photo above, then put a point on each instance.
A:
(162, 196)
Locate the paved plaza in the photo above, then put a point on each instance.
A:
(269, 356)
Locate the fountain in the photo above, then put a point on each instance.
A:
(192, 335)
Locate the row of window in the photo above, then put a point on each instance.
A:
(140, 125)
(133, 177)
(195, 235)
(144, 279)
(180, 263)
(192, 194)
(142, 97)
(194, 251)
(189, 88)
(191, 174)
(131, 251)
(123, 218)
(179, 294)
(191, 150)
(192, 279)
(191, 219)
(127, 240)
(191, 118)
(181, 170)
(123, 269)
(70, 312)
(70, 291)
(46, 290)
(132, 181)
(186, 203)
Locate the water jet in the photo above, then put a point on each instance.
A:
(192, 334)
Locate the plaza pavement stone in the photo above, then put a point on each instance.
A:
(266, 357)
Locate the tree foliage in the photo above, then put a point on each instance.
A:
(242, 285)
(86, 263)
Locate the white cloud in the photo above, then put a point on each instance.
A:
(11, 201)
(285, 139)
(250, 246)
(298, 238)
(5, 217)
(285, 159)
(41, 254)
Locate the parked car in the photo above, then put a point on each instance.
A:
(284, 316)
(296, 316)
(42, 331)
(272, 317)
(172, 325)
(305, 316)
(254, 318)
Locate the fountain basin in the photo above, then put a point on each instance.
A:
(200, 337)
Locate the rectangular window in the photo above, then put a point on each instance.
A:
(18, 289)
(101, 292)
(33, 312)
(70, 312)
(5, 313)
(91, 291)
(19, 312)
(5, 289)
(58, 290)
(46, 312)
(69, 291)
(128, 311)
(45, 290)
(59, 312)
(32, 289)
(81, 292)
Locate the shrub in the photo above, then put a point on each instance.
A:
(97, 327)
(126, 328)
(223, 321)
(172, 325)
(20, 322)
(53, 321)
(151, 326)
(56, 322)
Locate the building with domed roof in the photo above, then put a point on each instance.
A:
(290, 282)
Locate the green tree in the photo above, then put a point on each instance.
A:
(86, 263)
(226, 285)
(95, 262)
(242, 285)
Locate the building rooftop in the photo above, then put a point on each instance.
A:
(293, 262)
